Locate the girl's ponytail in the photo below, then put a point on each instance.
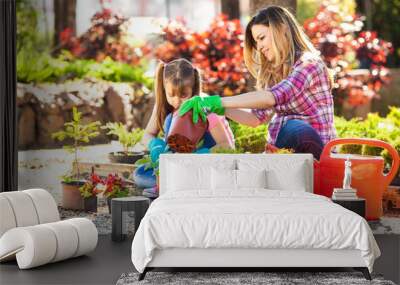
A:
(161, 100)
(197, 82)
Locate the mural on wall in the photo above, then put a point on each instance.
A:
(85, 94)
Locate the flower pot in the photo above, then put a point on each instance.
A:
(184, 135)
(122, 157)
(71, 196)
(90, 204)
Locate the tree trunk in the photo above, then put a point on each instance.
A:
(231, 8)
(256, 5)
(64, 17)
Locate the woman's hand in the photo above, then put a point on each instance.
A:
(201, 105)
(270, 148)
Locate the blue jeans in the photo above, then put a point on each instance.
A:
(301, 137)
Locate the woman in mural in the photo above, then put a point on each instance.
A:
(292, 82)
(175, 83)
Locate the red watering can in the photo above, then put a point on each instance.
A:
(367, 173)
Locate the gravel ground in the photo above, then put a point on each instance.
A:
(102, 218)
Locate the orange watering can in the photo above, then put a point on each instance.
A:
(367, 173)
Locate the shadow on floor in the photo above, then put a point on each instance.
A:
(102, 266)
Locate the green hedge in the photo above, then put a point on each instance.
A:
(248, 139)
(387, 129)
(38, 68)
(375, 127)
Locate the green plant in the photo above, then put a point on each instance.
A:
(386, 129)
(306, 9)
(157, 146)
(41, 67)
(149, 164)
(126, 138)
(249, 139)
(79, 133)
(67, 178)
(394, 116)
(224, 150)
(28, 34)
(31, 43)
(284, 151)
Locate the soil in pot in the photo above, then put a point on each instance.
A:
(184, 135)
(71, 196)
(122, 157)
(90, 204)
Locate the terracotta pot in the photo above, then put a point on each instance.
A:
(90, 204)
(122, 157)
(184, 135)
(71, 197)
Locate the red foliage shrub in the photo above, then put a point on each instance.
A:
(104, 38)
(218, 52)
(338, 38)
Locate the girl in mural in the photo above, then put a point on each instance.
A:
(175, 83)
(292, 82)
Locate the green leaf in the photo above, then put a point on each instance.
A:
(76, 116)
(77, 131)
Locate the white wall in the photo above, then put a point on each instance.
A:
(197, 13)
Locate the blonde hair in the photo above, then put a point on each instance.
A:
(182, 75)
(288, 40)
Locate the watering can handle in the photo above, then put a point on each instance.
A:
(371, 142)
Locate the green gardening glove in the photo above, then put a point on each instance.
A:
(201, 106)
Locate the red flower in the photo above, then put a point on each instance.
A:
(95, 179)
(66, 35)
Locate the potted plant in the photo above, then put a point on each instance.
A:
(127, 140)
(89, 192)
(114, 188)
(79, 133)
(147, 167)
(146, 174)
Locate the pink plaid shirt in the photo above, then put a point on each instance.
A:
(304, 95)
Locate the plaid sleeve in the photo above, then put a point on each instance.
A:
(297, 81)
(263, 114)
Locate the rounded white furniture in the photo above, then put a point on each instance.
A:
(31, 231)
